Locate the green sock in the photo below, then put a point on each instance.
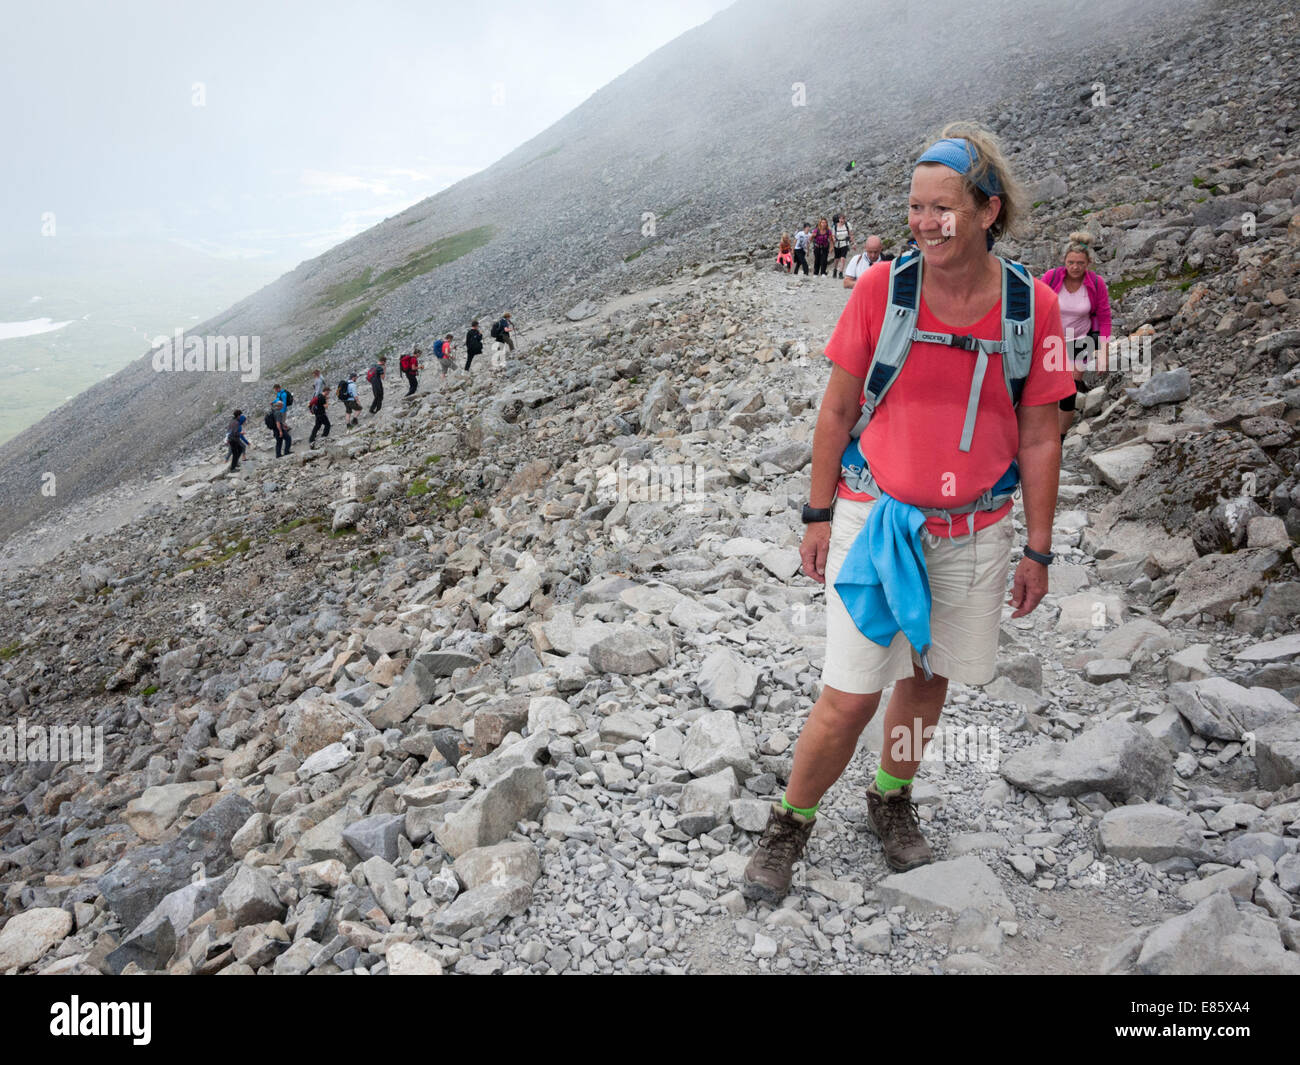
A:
(885, 782)
(809, 813)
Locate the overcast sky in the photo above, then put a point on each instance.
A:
(271, 130)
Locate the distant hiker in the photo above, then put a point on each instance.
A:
(442, 351)
(784, 256)
(843, 238)
(284, 396)
(801, 239)
(821, 242)
(235, 439)
(375, 375)
(348, 394)
(473, 343)
(952, 442)
(317, 407)
(1085, 316)
(317, 385)
(872, 253)
(503, 330)
(410, 366)
(279, 426)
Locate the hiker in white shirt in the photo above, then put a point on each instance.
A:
(872, 252)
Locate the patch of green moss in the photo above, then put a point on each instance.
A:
(349, 323)
(345, 291)
(145, 692)
(346, 530)
(545, 155)
(418, 487)
(289, 526)
(430, 460)
(635, 254)
(1198, 182)
(431, 256)
(1118, 289)
(238, 548)
(9, 651)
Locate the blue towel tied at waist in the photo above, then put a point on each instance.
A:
(883, 581)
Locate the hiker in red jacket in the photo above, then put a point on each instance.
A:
(442, 349)
(410, 366)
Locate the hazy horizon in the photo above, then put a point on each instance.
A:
(237, 142)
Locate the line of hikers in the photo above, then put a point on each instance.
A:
(276, 420)
(835, 236)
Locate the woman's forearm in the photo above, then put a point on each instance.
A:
(830, 438)
(1040, 471)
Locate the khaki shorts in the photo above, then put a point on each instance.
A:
(968, 585)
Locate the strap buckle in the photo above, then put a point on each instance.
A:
(968, 342)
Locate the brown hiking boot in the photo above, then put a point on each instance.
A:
(767, 876)
(892, 817)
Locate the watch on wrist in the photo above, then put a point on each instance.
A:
(1038, 556)
(814, 514)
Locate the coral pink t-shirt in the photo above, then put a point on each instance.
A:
(911, 442)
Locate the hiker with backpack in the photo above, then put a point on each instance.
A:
(502, 331)
(317, 385)
(922, 438)
(410, 366)
(317, 405)
(235, 439)
(473, 343)
(801, 239)
(283, 395)
(821, 244)
(279, 426)
(442, 351)
(1085, 316)
(375, 375)
(347, 393)
(843, 238)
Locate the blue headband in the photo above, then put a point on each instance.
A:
(957, 153)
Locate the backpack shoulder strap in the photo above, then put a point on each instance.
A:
(896, 334)
(1017, 326)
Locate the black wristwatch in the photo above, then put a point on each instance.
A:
(814, 514)
(1038, 556)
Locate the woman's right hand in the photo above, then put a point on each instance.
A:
(814, 549)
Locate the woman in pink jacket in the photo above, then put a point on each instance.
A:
(1085, 313)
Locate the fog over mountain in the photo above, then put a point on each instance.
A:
(763, 105)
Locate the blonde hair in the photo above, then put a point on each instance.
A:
(990, 160)
(1081, 241)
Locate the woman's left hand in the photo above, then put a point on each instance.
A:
(1028, 587)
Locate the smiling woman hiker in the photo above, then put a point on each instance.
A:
(920, 544)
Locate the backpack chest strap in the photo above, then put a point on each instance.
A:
(983, 348)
